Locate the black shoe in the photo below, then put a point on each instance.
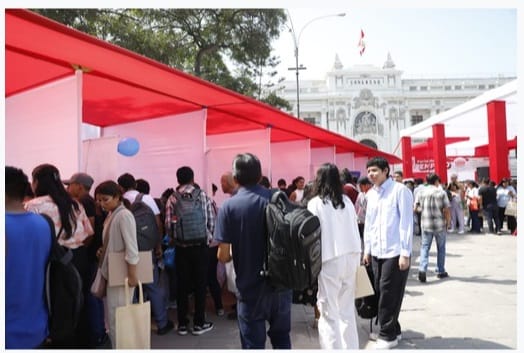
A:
(169, 326)
(182, 330)
(442, 275)
(200, 329)
(422, 277)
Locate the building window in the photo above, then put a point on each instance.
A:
(412, 88)
(423, 88)
(310, 120)
(415, 119)
(491, 86)
(457, 87)
(482, 87)
(437, 102)
(447, 88)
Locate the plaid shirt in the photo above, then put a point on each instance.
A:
(207, 204)
(432, 201)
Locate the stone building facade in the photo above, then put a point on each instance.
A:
(371, 105)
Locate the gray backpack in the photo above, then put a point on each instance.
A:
(147, 234)
(189, 228)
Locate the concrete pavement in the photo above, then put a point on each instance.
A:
(475, 308)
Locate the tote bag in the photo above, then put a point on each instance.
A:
(363, 287)
(133, 322)
(511, 208)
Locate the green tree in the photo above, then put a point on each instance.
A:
(229, 47)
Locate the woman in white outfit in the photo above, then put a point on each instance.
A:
(337, 327)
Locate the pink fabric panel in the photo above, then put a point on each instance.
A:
(360, 164)
(320, 156)
(222, 149)
(166, 144)
(100, 169)
(345, 160)
(289, 160)
(42, 126)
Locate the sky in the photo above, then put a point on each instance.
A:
(423, 43)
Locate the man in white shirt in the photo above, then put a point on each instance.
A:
(388, 237)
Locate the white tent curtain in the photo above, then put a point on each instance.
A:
(42, 125)
(166, 144)
(289, 160)
(320, 156)
(222, 149)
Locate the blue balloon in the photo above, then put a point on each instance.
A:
(128, 146)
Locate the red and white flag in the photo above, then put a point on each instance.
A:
(361, 43)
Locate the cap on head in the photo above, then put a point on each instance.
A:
(80, 178)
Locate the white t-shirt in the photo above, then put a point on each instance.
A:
(147, 199)
(339, 227)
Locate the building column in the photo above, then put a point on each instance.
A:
(439, 152)
(407, 157)
(497, 141)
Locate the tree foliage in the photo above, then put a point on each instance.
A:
(230, 47)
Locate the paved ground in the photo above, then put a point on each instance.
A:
(475, 308)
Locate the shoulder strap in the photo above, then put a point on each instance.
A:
(51, 226)
(139, 197)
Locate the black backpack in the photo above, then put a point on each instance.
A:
(293, 244)
(190, 226)
(147, 234)
(63, 290)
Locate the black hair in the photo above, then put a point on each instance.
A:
(379, 162)
(281, 182)
(185, 175)
(167, 192)
(247, 169)
(309, 189)
(297, 179)
(49, 183)
(264, 181)
(346, 177)
(110, 188)
(214, 188)
(328, 185)
(432, 178)
(398, 172)
(15, 183)
(142, 186)
(127, 181)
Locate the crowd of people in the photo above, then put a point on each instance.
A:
(369, 220)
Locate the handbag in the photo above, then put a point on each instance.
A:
(133, 322)
(99, 285)
(474, 204)
(117, 268)
(363, 287)
(511, 208)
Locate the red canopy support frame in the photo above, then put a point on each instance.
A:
(498, 141)
(439, 152)
(407, 154)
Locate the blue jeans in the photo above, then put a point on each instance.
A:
(427, 238)
(95, 311)
(271, 306)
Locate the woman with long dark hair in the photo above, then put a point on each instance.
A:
(337, 327)
(119, 235)
(73, 230)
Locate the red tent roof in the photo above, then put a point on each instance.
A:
(120, 86)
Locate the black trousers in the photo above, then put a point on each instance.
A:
(191, 270)
(390, 283)
(212, 281)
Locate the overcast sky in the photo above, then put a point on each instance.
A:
(428, 42)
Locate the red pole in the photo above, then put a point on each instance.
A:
(498, 141)
(407, 157)
(439, 152)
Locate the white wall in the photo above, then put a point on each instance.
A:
(222, 149)
(289, 160)
(42, 125)
(166, 144)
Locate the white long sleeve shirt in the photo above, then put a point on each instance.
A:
(339, 227)
(388, 230)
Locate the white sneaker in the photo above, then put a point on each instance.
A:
(383, 344)
(373, 336)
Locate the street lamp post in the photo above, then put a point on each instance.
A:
(296, 41)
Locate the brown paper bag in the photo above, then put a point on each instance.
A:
(117, 268)
(363, 287)
(99, 285)
(133, 322)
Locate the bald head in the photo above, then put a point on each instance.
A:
(228, 183)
